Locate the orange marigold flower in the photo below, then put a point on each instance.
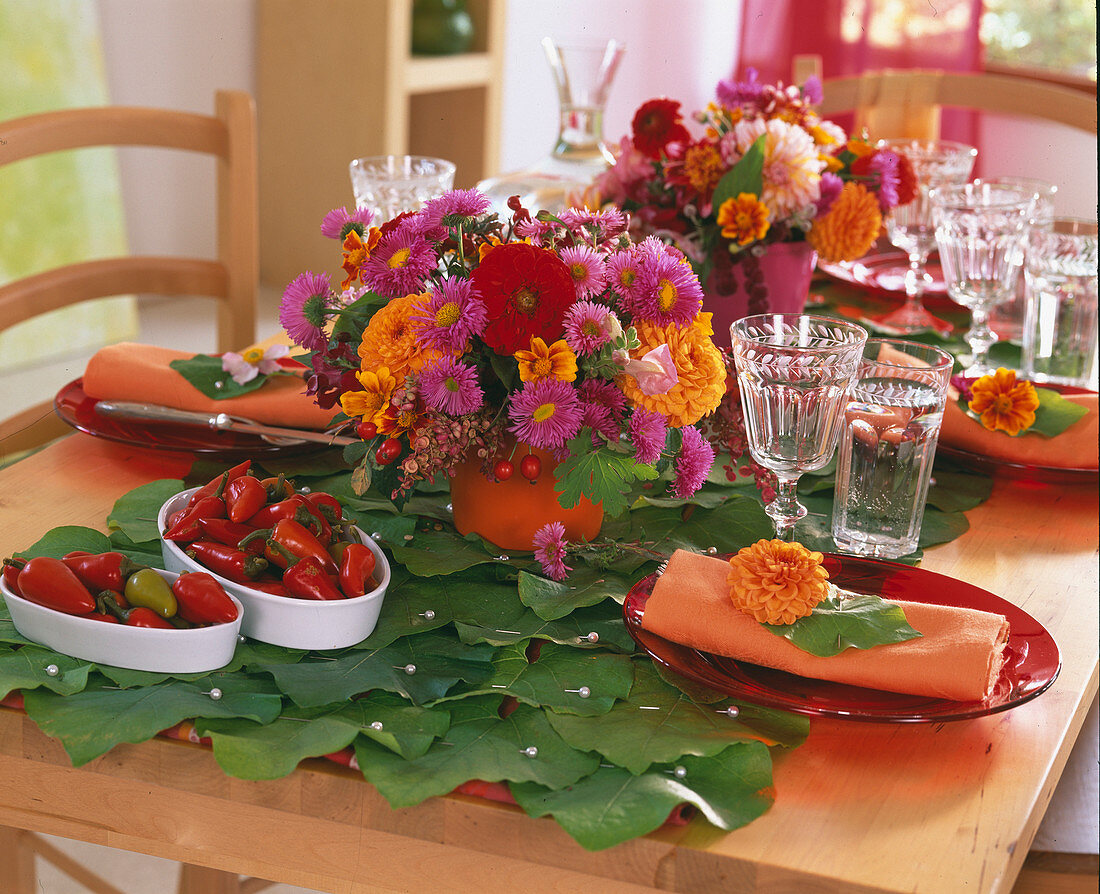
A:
(702, 374)
(850, 227)
(1002, 403)
(372, 401)
(542, 362)
(357, 253)
(744, 219)
(703, 166)
(390, 339)
(777, 582)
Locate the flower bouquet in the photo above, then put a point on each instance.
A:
(455, 335)
(767, 170)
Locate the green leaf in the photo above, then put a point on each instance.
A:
(407, 730)
(204, 371)
(745, 176)
(658, 724)
(1055, 414)
(135, 513)
(440, 661)
(58, 541)
(586, 586)
(951, 491)
(92, 722)
(479, 745)
(611, 806)
(509, 626)
(440, 552)
(603, 476)
(26, 669)
(857, 622)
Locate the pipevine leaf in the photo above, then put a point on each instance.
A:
(129, 678)
(58, 541)
(135, 512)
(407, 730)
(147, 552)
(433, 553)
(206, 374)
(26, 669)
(731, 789)
(859, 621)
(586, 586)
(506, 626)
(8, 633)
(479, 745)
(91, 722)
(657, 724)
(563, 679)
(437, 662)
(958, 491)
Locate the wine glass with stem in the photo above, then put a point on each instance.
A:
(981, 230)
(794, 372)
(909, 226)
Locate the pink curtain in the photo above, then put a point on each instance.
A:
(853, 36)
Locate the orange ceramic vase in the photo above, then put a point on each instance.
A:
(508, 513)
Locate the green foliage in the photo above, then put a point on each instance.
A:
(135, 513)
(205, 373)
(746, 176)
(602, 475)
(856, 622)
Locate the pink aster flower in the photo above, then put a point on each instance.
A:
(451, 387)
(600, 226)
(622, 270)
(464, 202)
(831, 186)
(647, 433)
(398, 265)
(246, 366)
(667, 292)
(535, 230)
(451, 316)
(607, 394)
(693, 464)
(586, 268)
(305, 305)
(339, 222)
(550, 548)
(546, 413)
(585, 329)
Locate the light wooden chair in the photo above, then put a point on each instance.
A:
(907, 103)
(232, 279)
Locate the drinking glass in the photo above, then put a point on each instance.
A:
(1060, 321)
(909, 227)
(391, 184)
(887, 444)
(980, 230)
(794, 372)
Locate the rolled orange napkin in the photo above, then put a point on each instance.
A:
(1075, 448)
(958, 657)
(135, 372)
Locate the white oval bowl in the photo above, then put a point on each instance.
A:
(191, 651)
(282, 621)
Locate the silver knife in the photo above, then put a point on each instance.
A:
(121, 409)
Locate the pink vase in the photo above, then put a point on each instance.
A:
(785, 269)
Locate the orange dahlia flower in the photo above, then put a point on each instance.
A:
(744, 219)
(1002, 403)
(777, 582)
(390, 339)
(850, 227)
(699, 366)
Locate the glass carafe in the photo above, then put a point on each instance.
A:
(583, 76)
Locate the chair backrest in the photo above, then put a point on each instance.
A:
(907, 104)
(231, 279)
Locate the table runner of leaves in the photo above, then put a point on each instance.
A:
(498, 666)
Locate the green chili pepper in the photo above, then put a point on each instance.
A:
(148, 589)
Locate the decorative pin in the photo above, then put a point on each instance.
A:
(376, 535)
(583, 692)
(498, 686)
(428, 615)
(215, 693)
(219, 384)
(712, 550)
(240, 637)
(530, 751)
(592, 637)
(513, 632)
(648, 708)
(376, 725)
(410, 669)
(679, 771)
(501, 558)
(52, 670)
(732, 712)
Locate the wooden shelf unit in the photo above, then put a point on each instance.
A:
(336, 81)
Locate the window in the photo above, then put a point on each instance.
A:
(1052, 37)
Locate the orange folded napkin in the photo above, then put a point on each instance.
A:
(141, 373)
(1075, 448)
(958, 657)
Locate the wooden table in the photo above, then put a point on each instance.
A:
(859, 808)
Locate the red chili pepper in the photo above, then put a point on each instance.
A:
(217, 484)
(329, 507)
(289, 540)
(187, 528)
(12, 567)
(202, 600)
(244, 497)
(229, 533)
(228, 561)
(273, 587)
(50, 582)
(96, 616)
(296, 507)
(307, 579)
(101, 571)
(146, 617)
(278, 488)
(356, 567)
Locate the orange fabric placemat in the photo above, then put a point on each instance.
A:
(136, 372)
(1075, 448)
(958, 657)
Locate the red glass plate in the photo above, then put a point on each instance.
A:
(882, 270)
(1032, 659)
(1023, 471)
(77, 409)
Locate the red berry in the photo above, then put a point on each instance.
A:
(366, 430)
(530, 467)
(388, 451)
(503, 470)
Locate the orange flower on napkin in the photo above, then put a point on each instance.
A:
(777, 582)
(1003, 403)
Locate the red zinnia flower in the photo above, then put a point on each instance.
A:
(527, 291)
(656, 124)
